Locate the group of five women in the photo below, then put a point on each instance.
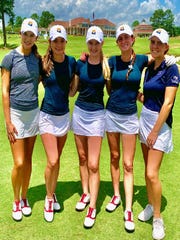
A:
(23, 69)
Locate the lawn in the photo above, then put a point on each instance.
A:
(68, 224)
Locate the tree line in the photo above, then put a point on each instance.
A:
(160, 18)
(163, 19)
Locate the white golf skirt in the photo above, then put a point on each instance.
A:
(147, 120)
(26, 122)
(55, 125)
(126, 124)
(88, 123)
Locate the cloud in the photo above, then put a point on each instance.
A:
(114, 10)
(169, 4)
(147, 7)
(177, 19)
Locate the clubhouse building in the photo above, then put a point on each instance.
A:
(79, 26)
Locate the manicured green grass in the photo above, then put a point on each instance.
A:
(68, 224)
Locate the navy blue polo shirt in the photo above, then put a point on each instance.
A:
(92, 83)
(122, 99)
(57, 85)
(155, 84)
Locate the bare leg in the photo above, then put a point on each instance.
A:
(53, 146)
(94, 148)
(81, 145)
(128, 146)
(18, 153)
(29, 146)
(154, 185)
(114, 145)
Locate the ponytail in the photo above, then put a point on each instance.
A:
(47, 63)
(105, 67)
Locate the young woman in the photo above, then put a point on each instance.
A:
(121, 117)
(20, 78)
(58, 72)
(160, 87)
(88, 120)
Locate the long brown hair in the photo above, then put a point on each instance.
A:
(35, 51)
(47, 62)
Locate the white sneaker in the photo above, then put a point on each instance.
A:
(146, 214)
(56, 204)
(49, 210)
(128, 221)
(158, 229)
(83, 202)
(90, 218)
(17, 212)
(113, 204)
(26, 209)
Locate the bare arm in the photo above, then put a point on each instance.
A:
(140, 97)
(170, 60)
(170, 94)
(74, 86)
(11, 130)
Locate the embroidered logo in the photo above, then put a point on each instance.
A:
(93, 32)
(175, 80)
(158, 31)
(121, 28)
(30, 23)
(59, 30)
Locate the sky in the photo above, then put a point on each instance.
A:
(116, 11)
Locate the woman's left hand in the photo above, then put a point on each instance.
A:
(151, 139)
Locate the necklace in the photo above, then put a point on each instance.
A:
(130, 66)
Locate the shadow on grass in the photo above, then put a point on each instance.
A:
(140, 196)
(66, 190)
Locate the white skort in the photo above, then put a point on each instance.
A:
(147, 120)
(88, 123)
(55, 125)
(125, 124)
(26, 122)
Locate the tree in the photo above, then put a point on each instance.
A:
(163, 19)
(11, 22)
(18, 21)
(35, 17)
(176, 31)
(46, 18)
(135, 23)
(6, 7)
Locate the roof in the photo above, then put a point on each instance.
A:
(59, 22)
(79, 20)
(143, 28)
(103, 22)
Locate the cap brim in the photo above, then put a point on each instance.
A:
(93, 38)
(30, 30)
(158, 38)
(56, 36)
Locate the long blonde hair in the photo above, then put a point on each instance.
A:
(105, 67)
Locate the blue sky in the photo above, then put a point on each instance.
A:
(117, 11)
